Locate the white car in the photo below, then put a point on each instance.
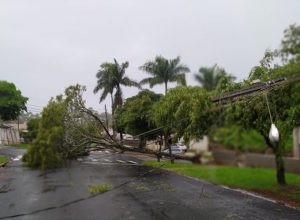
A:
(175, 150)
(181, 146)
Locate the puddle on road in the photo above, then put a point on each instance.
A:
(53, 188)
(19, 157)
(5, 188)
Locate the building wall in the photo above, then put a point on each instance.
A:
(296, 139)
(22, 126)
(9, 136)
(229, 157)
(199, 145)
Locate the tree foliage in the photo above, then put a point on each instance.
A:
(183, 111)
(134, 117)
(11, 101)
(67, 129)
(45, 151)
(164, 71)
(284, 100)
(211, 77)
(238, 138)
(32, 128)
(290, 44)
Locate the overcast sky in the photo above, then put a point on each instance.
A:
(47, 45)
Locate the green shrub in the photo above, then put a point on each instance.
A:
(235, 137)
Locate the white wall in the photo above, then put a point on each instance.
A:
(9, 136)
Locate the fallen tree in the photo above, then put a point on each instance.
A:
(68, 129)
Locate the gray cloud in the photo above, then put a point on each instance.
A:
(48, 45)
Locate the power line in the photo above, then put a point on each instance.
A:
(249, 90)
(261, 88)
(254, 89)
(35, 105)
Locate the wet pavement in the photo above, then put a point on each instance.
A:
(138, 193)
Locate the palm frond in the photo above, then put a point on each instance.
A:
(128, 82)
(104, 95)
(180, 78)
(198, 78)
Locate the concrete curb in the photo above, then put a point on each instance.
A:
(4, 164)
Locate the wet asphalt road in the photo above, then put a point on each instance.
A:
(139, 193)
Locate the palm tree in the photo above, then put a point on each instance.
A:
(164, 71)
(110, 77)
(104, 81)
(209, 77)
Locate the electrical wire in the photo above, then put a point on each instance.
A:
(269, 110)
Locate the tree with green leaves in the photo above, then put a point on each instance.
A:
(12, 103)
(135, 115)
(32, 128)
(46, 150)
(111, 76)
(164, 71)
(290, 44)
(210, 77)
(253, 113)
(183, 112)
(66, 129)
(283, 100)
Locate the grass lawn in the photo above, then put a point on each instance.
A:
(262, 181)
(3, 159)
(24, 146)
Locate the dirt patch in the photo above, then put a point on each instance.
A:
(289, 195)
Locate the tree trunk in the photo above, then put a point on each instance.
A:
(160, 148)
(168, 146)
(142, 142)
(278, 151)
(280, 171)
(166, 87)
(159, 154)
(112, 114)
